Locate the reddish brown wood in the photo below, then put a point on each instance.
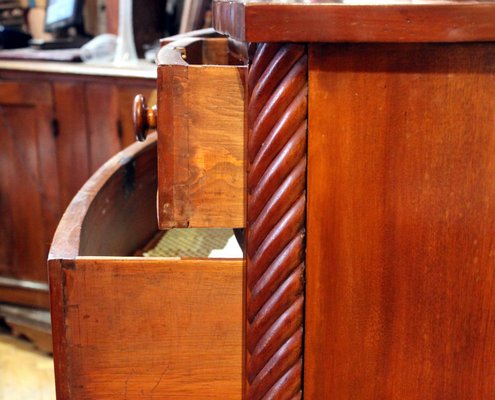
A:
(72, 140)
(29, 186)
(277, 122)
(366, 21)
(102, 106)
(201, 141)
(45, 158)
(135, 327)
(400, 276)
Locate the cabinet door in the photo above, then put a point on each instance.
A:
(29, 188)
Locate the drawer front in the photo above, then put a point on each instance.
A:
(200, 136)
(138, 327)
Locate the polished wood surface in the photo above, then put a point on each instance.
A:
(356, 21)
(134, 327)
(30, 202)
(401, 204)
(200, 139)
(157, 329)
(129, 179)
(58, 124)
(276, 208)
(144, 117)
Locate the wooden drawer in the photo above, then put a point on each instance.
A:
(200, 135)
(134, 327)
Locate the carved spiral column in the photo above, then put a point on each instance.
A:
(277, 123)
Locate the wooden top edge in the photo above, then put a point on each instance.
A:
(171, 53)
(66, 241)
(143, 70)
(356, 21)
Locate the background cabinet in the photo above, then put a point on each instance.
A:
(56, 129)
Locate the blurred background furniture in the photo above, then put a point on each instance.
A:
(58, 124)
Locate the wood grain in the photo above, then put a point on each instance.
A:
(400, 283)
(131, 327)
(126, 96)
(200, 143)
(366, 21)
(157, 329)
(29, 204)
(93, 223)
(72, 140)
(45, 155)
(276, 148)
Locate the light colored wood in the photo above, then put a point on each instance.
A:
(200, 143)
(156, 328)
(143, 70)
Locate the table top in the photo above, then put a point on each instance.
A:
(387, 21)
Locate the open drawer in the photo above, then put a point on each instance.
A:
(135, 327)
(200, 123)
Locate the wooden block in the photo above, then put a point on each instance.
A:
(200, 141)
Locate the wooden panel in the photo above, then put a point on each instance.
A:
(165, 329)
(356, 21)
(401, 180)
(200, 145)
(28, 179)
(104, 139)
(72, 140)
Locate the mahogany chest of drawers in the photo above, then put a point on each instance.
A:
(353, 142)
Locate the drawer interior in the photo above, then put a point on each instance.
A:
(164, 323)
(201, 145)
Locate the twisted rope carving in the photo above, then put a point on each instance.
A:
(277, 122)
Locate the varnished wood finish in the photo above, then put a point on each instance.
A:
(201, 141)
(277, 123)
(157, 329)
(401, 181)
(72, 139)
(29, 184)
(57, 129)
(365, 21)
(129, 180)
(134, 327)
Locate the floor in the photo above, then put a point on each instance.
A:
(25, 373)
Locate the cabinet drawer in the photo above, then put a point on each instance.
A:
(200, 135)
(130, 326)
